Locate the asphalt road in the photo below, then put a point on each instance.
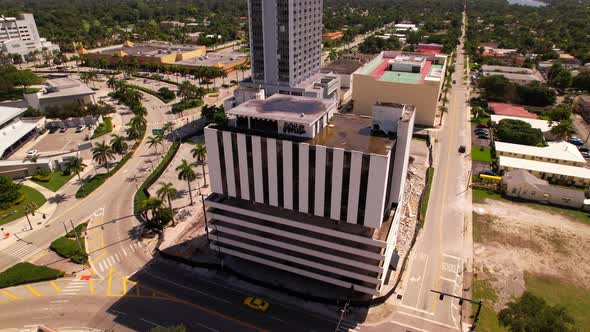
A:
(439, 256)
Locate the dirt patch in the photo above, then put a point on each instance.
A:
(511, 239)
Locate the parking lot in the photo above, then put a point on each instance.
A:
(54, 143)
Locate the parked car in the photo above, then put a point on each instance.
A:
(481, 125)
(483, 136)
(487, 172)
(576, 141)
(480, 130)
(585, 154)
(32, 154)
(583, 149)
(80, 128)
(63, 129)
(462, 149)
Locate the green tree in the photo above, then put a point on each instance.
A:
(518, 132)
(582, 81)
(495, 87)
(563, 130)
(119, 145)
(154, 141)
(169, 193)
(199, 152)
(75, 166)
(186, 173)
(9, 191)
(560, 112)
(532, 313)
(168, 127)
(25, 78)
(102, 153)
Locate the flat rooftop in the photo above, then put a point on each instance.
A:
(554, 150)
(378, 68)
(148, 49)
(213, 59)
(352, 132)
(65, 87)
(343, 66)
(544, 167)
(9, 113)
(297, 109)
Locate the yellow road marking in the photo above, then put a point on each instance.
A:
(93, 230)
(33, 290)
(54, 285)
(91, 286)
(12, 296)
(110, 283)
(99, 257)
(93, 239)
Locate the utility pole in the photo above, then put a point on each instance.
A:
(76, 233)
(29, 220)
(441, 296)
(65, 228)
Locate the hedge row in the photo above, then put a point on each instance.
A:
(150, 91)
(142, 192)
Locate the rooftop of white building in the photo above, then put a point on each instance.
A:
(554, 150)
(544, 167)
(9, 113)
(65, 87)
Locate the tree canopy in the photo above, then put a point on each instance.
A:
(518, 132)
(532, 313)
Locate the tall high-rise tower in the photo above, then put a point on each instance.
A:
(285, 40)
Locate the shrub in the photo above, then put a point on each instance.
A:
(181, 106)
(68, 248)
(23, 273)
(8, 191)
(41, 178)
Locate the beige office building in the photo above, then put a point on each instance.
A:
(401, 77)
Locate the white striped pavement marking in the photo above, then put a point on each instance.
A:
(124, 252)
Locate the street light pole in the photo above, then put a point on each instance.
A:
(76, 233)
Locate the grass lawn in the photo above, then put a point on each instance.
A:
(103, 128)
(18, 211)
(58, 179)
(480, 153)
(68, 247)
(488, 319)
(424, 205)
(479, 195)
(575, 299)
(23, 273)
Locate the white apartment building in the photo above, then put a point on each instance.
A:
(300, 188)
(561, 152)
(19, 35)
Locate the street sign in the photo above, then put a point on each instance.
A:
(157, 131)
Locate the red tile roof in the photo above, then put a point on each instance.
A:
(511, 110)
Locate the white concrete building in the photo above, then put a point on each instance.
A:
(14, 131)
(59, 92)
(298, 187)
(19, 35)
(555, 152)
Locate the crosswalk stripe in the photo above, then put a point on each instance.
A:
(124, 252)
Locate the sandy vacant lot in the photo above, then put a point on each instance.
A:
(511, 239)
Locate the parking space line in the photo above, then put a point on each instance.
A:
(33, 290)
(54, 285)
(7, 293)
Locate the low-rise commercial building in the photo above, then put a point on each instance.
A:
(524, 185)
(506, 69)
(561, 152)
(156, 53)
(430, 48)
(332, 36)
(552, 172)
(16, 131)
(59, 92)
(511, 110)
(401, 77)
(300, 188)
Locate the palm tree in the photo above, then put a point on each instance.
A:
(186, 172)
(443, 110)
(75, 165)
(168, 192)
(118, 144)
(139, 110)
(113, 83)
(332, 54)
(102, 153)
(185, 90)
(151, 204)
(200, 152)
(139, 121)
(133, 131)
(154, 141)
(168, 127)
